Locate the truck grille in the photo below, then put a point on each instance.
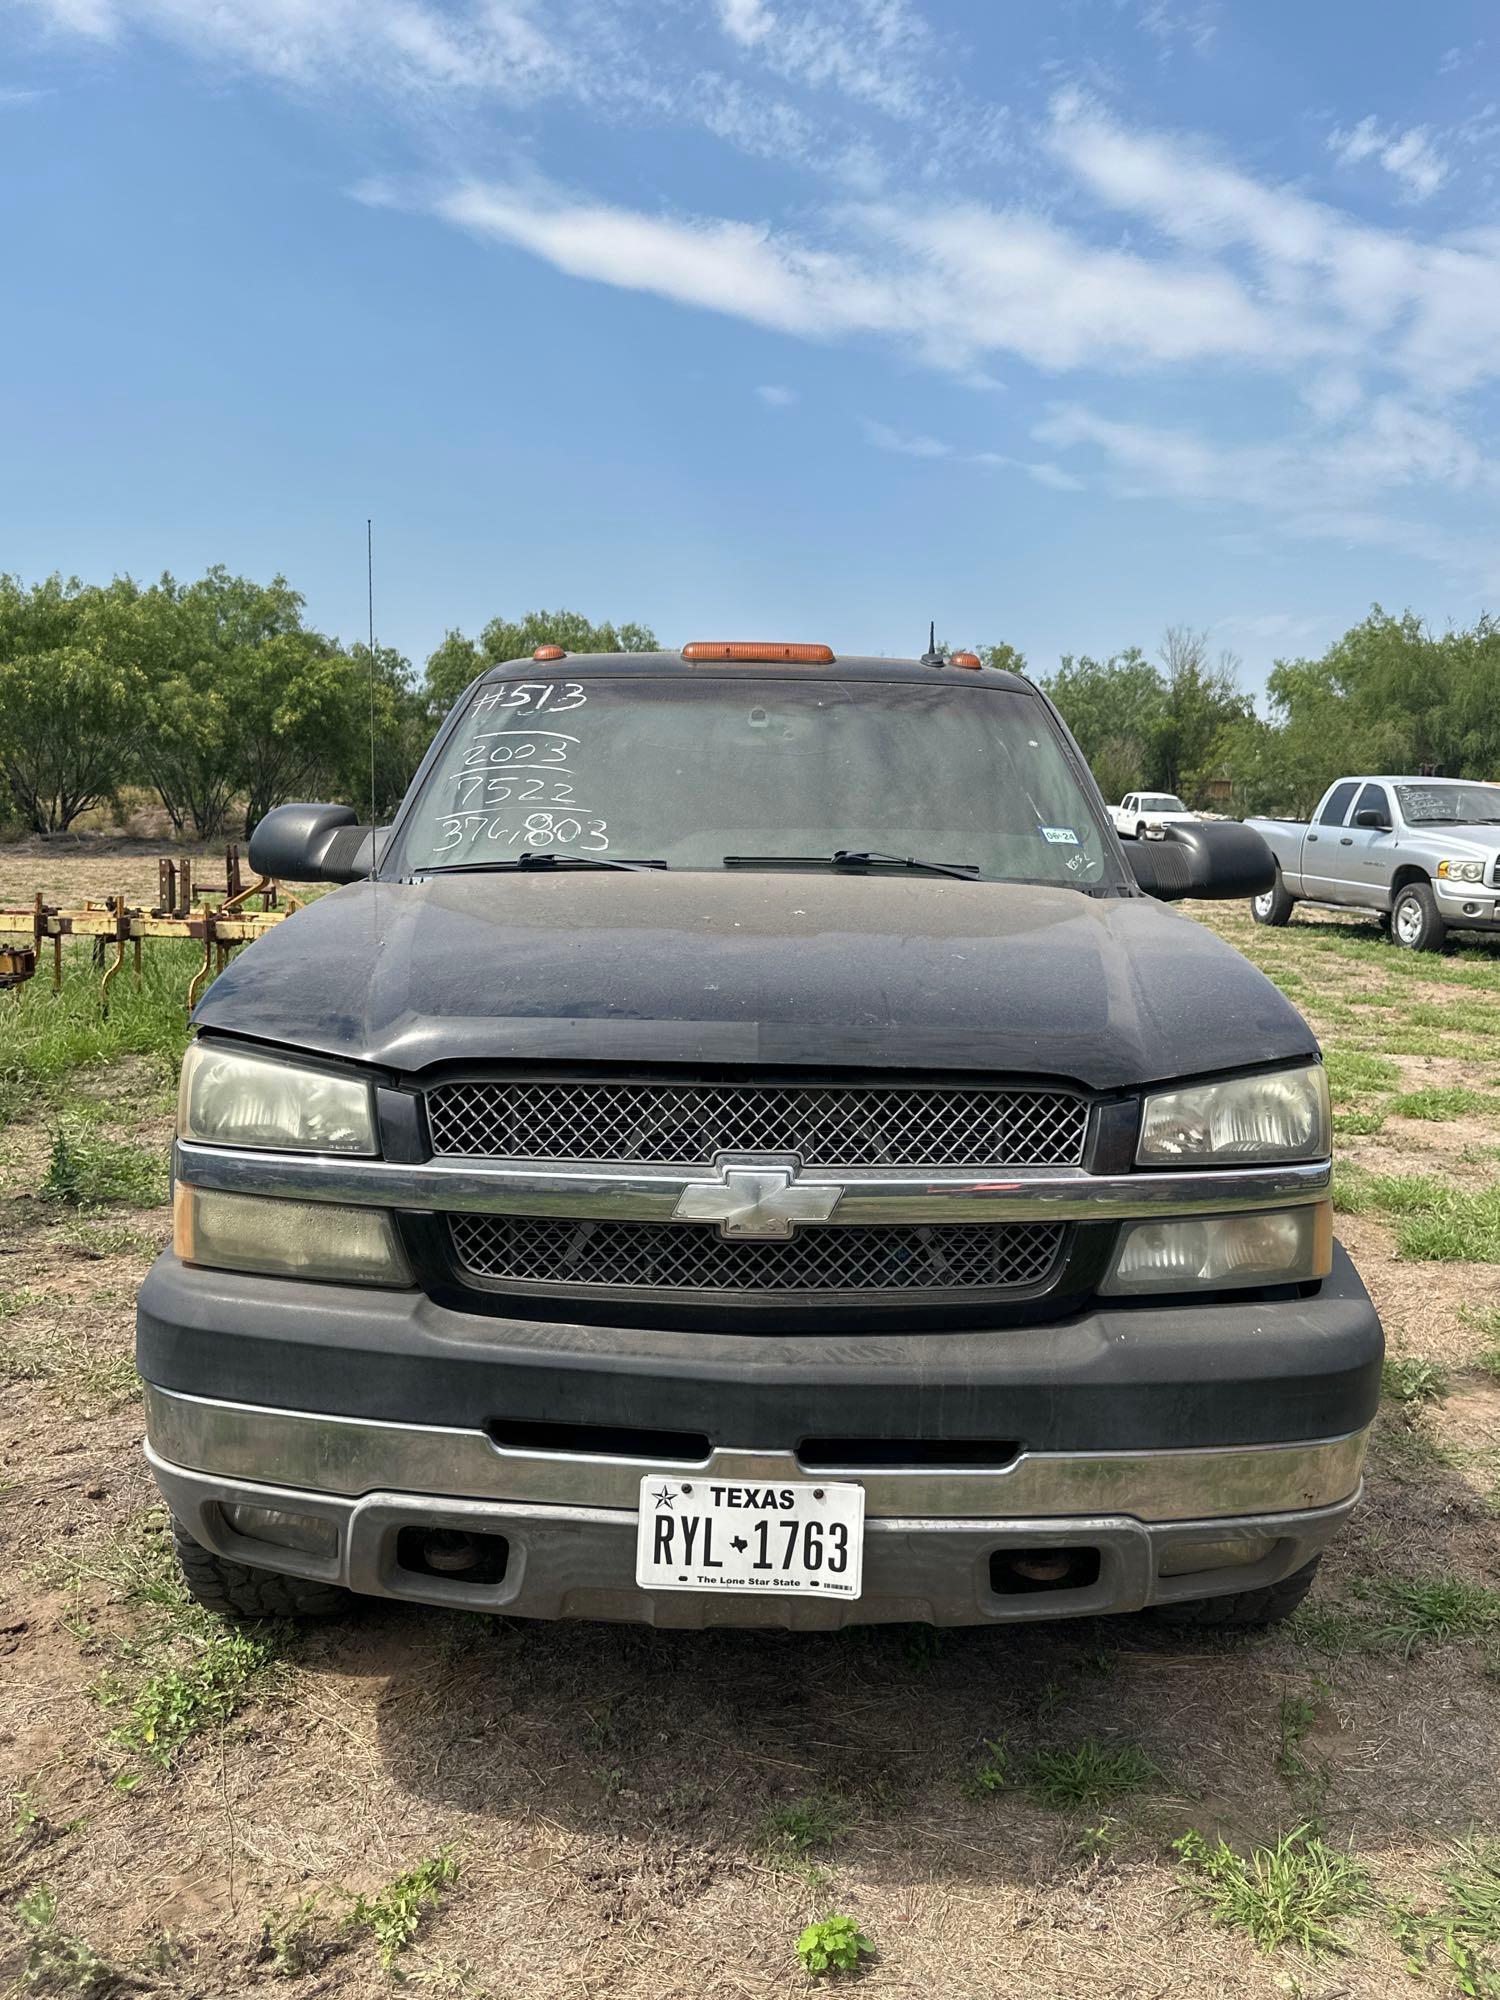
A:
(691, 1123)
(691, 1257)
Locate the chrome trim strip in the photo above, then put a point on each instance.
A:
(651, 1194)
(353, 1455)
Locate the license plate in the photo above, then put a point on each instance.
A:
(799, 1540)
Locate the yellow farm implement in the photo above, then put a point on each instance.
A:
(220, 915)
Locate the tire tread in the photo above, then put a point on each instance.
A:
(237, 1590)
(1266, 1606)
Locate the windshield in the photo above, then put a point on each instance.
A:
(1162, 802)
(1449, 805)
(690, 771)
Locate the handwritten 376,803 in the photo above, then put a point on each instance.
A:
(538, 829)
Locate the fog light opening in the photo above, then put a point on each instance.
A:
(452, 1552)
(1015, 1572)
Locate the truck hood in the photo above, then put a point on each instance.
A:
(916, 972)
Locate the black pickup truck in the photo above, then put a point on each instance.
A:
(746, 1147)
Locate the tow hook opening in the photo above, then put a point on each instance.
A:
(452, 1552)
(1028, 1572)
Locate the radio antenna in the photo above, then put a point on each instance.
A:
(932, 658)
(370, 607)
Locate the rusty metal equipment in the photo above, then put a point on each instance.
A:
(223, 921)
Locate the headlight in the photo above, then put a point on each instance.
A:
(1218, 1252)
(1282, 1115)
(287, 1239)
(1461, 871)
(231, 1098)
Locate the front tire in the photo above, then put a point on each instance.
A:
(1416, 922)
(1244, 1608)
(1140, 829)
(1273, 906)
(235, 1590)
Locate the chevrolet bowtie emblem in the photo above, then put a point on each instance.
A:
(758, 1196)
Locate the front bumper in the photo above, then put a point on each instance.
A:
(578, 1561)
(1130, 1431)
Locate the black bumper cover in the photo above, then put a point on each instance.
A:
(1165, 1376)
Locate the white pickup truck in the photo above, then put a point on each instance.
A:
(1421, 853)
(1142, 814)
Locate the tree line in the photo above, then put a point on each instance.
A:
(220, 699)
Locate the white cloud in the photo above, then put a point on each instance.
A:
(872, 51)
(918, 445)
(776, 396)
(909, 445)
(1375, 298)
(1410, 156)
(746, 21)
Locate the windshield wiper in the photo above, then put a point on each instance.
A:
(856, 857)
(542, 860)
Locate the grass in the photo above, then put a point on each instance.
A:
(1423, 1612)
(801, 1826)
(1435, 1222)
(88, 1172)
(88, 1378)
(1437, 1105)
(1294, 1892)
(49, 1034)
(1353, 1074)
(394, 1917)
(1089, 1774)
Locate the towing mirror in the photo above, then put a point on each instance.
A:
(1219, 859)
(316, 844)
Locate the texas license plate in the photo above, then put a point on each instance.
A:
(799, 1540)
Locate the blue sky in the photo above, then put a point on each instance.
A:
(805, 319)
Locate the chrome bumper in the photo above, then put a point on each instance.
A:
(569, 1520)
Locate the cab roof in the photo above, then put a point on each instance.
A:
(846, 666)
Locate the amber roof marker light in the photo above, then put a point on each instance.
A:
(760, 651)
(550, 653)
(964, 660)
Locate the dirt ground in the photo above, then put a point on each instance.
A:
(609, 1794)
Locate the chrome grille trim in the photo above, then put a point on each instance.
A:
(689, 1124)
(693, 1258)
(651, 1194)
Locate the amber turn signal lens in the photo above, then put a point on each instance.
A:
(964, 660)
(758, 650)
(549, 653)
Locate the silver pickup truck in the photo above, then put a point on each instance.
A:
(1422, 853)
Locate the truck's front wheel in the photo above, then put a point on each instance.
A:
(1266, 1606)
(1416, 923)
(1273, 905)
(238, 1591)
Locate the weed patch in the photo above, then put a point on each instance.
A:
(1294, 1892)
(1465, 1927)
(833, 1944)
(56, 1961)
(1412, 1379)
(394, 1917)
(222, 1667)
